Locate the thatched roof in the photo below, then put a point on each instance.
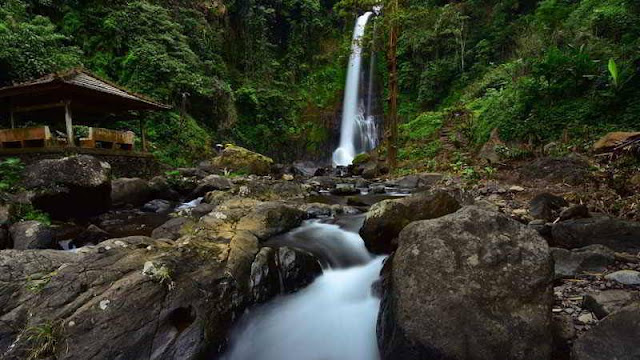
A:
(82, 88)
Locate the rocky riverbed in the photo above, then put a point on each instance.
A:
(162, 268)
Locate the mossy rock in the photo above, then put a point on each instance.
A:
(240, 160)
(361, 159)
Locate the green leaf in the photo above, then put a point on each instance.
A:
(613, 69)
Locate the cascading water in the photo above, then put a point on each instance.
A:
(358, 131)
(334, 318)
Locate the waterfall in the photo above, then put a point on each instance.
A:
(334, 318)
(358, 131)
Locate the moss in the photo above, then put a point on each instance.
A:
(361, 159)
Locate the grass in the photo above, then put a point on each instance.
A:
(43, 338)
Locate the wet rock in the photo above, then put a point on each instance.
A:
(91, 235)
(603, 303)
(211, 183)
(130, 191)
(125, 223)
(161, 189)
(5, 214)
(270, 219)
(569, 263)
(626, 277)
(158, 206)
(546, 206)
(172, 229)
(615, 337)
(238, 159)
(196, 172)
(368, 200)
(345, 190)
(481, 277)
(386, 219)
(305, 168)
(281, 270)
(617, 234)
(76, 186)
(136, 297)
(296, 268)
(30, 235)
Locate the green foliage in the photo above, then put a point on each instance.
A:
(10, 174)
(177, 141)
(43, 338)
(26, 212)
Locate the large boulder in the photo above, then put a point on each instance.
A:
(130, 191)
(30, 235)
(238, 159)
(270, 219)
(135, 297)
(471, 285)
(619, 235)
(76, 186)
(613, 139)
(386, 219)
(615, 337)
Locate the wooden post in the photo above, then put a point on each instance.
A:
(143, 135)
(69, 122)
(13, 121)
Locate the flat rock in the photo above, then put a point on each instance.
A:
(626, 277)
(615, 337)
(603, 303)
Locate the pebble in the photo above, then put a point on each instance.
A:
(586, 318)
(516, 188)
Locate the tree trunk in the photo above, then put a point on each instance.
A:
(392, 117)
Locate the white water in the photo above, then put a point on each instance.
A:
(334, 318)
(356, 124)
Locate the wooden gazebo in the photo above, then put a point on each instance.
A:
(75, 91)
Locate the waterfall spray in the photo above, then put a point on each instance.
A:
(352, 109)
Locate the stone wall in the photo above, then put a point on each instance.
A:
(122, 164)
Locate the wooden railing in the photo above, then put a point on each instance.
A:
(31, 137)
(108, 139)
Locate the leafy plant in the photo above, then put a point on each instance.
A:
(10, 174)
(26, 212)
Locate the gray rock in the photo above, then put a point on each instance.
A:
(387, 218)
(615, 337)
(270, 219)
(626, 277)
(30, 235)
(569, 263)
(417, 181)
(574, 212)
(345, 190)
(172, 229)
(130, 191)
(462, 286)
(91, 235)
(619, 235)
(201, 210)
(158, 206)
(76, 186)
(5, 214)
(546, 206)
(607, 302)
(563, 332)
(211, 183)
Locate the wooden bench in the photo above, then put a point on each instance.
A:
(31, 137)
(108, 139)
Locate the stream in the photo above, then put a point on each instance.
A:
(334, 318)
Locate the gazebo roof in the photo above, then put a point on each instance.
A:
(85, 91)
